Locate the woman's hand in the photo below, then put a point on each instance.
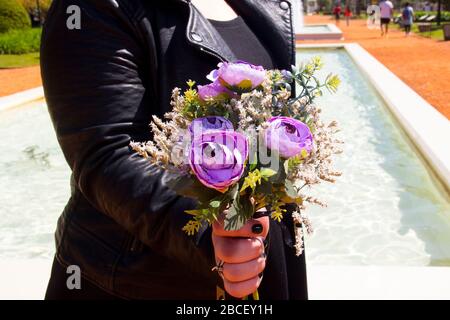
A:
(242, 254)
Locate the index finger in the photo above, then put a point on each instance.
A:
(256, 227)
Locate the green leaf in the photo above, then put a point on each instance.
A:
(215, 204)
(294, 69)
(233, 220)
(267, 173)
(234, 192)
(286, 167)
(255, 164)
(188, 186)
(246, 208)
(195, 212)
(265, 189)
(279, 175)
(291, 191)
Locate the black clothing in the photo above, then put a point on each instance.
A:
(103, 82)
(57, 287)
(243, 42)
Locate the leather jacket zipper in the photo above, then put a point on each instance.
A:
(212, 53)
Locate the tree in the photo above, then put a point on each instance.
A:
(13, 16)
(438, 18)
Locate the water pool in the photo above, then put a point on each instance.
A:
(319, 32)
(315, 29)
(386, 209)
(34, 182)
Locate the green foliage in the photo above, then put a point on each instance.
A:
(310, 84)
(19, 60)
(254, 178)
(259, 187)
(185, 186)
(445, 15)
(20, 41)
(31, 6)
(196, 108)
(13, 16)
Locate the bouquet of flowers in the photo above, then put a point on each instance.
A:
(243, 142)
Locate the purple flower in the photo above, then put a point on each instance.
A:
(288, 136)
(238, 76)
(214, 90)
(201, 125)
(218, 158)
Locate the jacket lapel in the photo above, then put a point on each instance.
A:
(270, 20)
(202, 34)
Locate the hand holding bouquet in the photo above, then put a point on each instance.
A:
(244, 142)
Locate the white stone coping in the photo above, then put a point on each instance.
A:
(334, 33)
(378, 283)
(21, 98)
(27, 280)
(427, 128)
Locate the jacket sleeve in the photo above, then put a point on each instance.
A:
(98, 97)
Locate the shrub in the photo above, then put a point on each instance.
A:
(31, 7)
(445, 15)
(20, 41)
(13, 16)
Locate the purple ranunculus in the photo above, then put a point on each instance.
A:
(218, 158)
(238, 76)
(214, 90)
(201, 125)
(288, 136)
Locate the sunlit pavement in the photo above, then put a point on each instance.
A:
(27, 280)
(413, 59)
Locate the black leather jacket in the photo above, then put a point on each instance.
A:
(102, 83)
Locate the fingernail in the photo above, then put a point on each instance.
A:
(257, 228)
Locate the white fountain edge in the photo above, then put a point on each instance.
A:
(426, 127)
(20, 98)
(27, 280)
(334, 34)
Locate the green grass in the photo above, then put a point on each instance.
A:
(436, 33)
(20, 41)
(19, 60)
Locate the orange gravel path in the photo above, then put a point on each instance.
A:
(422, 63)
(15, 80)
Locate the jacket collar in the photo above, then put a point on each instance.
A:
(271, 20)
(202, 34)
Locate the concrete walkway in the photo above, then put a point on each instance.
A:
(27, 280)
(422, 63)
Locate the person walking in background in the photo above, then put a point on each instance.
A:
(347, 14)
(408, 17)
(386, 11)
(337, 12)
